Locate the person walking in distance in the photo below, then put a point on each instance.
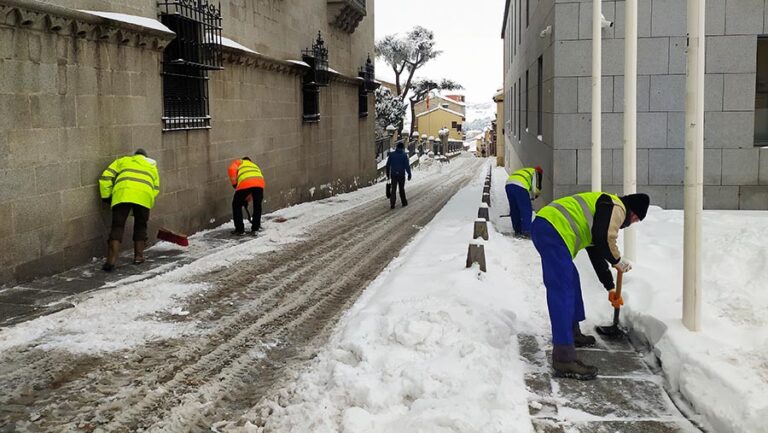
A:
(590, 220)
(396, 168)
(247, 180)
(129, 184)
(523, 186)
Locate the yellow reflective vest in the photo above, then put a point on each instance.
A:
(525, 178)
(131, 179)
(573, 217)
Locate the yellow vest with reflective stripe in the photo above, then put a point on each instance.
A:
(573, 217)
(131, 179)
(523, 178)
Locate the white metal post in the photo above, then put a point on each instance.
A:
(694, 165)
(630, 115)
(597, 109)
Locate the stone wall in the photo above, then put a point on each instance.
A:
(275, 28)
(77, 91)
(735, 176)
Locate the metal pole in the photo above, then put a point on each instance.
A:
(597, 109)
(694, 166)
(630, 115)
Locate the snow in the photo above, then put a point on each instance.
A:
(298, 62)
(232, 44)
(132, 19)
(432, 345)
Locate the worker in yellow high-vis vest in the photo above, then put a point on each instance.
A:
(590, 221)
(130, 185)
(523, 186)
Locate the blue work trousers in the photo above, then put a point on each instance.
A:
(520, 210)
(561, 278)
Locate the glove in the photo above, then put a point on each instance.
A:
(409, 177)
(623, 266)
(616, 300)
(107, 200)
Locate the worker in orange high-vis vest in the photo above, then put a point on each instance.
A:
(247, 180)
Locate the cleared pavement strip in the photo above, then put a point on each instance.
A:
(627, 397)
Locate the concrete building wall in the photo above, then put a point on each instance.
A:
(77, 91)
(522, 48)
(733, 177)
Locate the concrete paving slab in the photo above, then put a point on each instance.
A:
(634, 427)
(614, 363)
(615, 397)
(627, 397)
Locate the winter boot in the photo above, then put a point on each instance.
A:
(566, 365)
(113, 249)
(138, 252)
(581, 340)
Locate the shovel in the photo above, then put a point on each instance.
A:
(613, 331)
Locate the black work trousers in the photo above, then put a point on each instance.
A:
(120, 214)
(240, 200)
(398, 182)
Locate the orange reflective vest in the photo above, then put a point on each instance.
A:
(245, 174)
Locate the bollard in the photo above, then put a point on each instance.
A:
(476, 254)
(481, 229)
(487, 198)
(483, 212)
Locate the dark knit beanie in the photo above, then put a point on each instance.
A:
(140, 151)
(637, 203)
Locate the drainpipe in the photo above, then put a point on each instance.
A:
(694, 165)
(630, 115)
(597, 109)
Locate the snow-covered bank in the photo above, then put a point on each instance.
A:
(723, 370)
(430, 347)
(429, 334)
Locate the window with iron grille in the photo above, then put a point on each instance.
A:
(187, 60)
(367, 73)
(317, 76)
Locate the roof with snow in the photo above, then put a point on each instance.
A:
(441, 108)
(445, 98)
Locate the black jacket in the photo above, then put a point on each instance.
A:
(608, 219)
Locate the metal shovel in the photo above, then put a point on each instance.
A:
(614, 330)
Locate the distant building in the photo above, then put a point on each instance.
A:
(436, 111)
(286, 83)
(547, 86)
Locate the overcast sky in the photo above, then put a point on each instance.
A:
(467, 31)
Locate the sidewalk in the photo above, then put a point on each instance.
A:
(49, 295)
(627, 397)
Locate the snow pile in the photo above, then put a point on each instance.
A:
(420, 353)
(723, 370)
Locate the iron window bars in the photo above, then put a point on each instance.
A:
(368, 74)
(317, 76)
(196, 50)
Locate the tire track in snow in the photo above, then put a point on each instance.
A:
(292, 296)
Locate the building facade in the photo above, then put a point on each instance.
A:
(547, 85)
(85, 81)
(437, 111)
